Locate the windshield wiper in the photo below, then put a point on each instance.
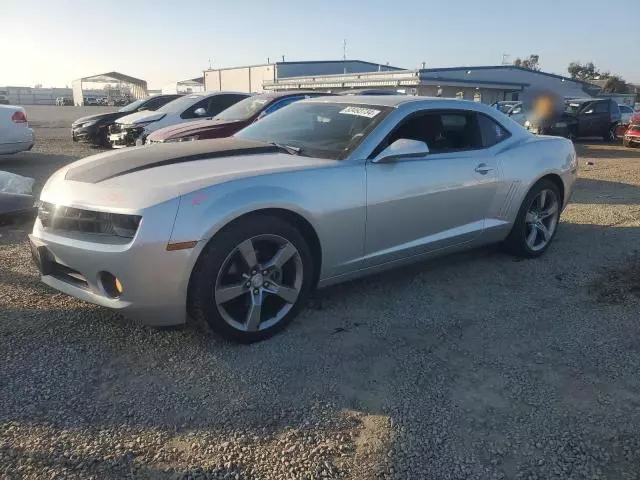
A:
(288, 148)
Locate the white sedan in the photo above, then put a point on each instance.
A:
(15, 134)
(134, 129)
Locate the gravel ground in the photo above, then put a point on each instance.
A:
(476, 366)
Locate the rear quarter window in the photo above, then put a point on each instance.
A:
(491, 131)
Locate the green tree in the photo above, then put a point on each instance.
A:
(586, 71)
(530, 63)
(615, 84)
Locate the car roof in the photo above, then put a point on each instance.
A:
(585, 100)
(397, 100)
(296, 93)
(379, 100)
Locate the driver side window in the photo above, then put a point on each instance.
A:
(442, 131)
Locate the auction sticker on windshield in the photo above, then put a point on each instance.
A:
(360, 111)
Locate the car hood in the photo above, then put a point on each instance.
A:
(100, 116)
(193, 128)
(141, 117)
(138, 177)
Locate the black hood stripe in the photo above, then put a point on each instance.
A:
(131, 160)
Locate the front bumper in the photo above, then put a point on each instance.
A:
(559, 129)
(94, 135)
(154, 280)
(126, 136)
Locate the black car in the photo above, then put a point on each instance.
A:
(94, 129)
(582, 118)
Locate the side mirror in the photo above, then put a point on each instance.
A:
(200, 112)
(402, 148)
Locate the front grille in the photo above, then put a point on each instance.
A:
(114, 128)
(69, 219)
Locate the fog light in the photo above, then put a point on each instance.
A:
(110, 284)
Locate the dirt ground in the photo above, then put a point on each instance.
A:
(475, 366)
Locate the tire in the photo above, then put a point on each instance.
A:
(611, 136)
(223, 258)
(517, 240)
(572, 133)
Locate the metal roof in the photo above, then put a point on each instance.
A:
(503, 67)
(308, 62)
(114, 77)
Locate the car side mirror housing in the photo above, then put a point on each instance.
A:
(401, 149)
(200, 112)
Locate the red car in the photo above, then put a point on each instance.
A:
(231, 120)
(632, 136)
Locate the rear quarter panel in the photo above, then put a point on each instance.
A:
(525, 163)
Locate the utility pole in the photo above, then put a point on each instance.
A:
(344, 54)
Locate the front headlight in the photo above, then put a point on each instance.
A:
(527, 124)
(190, 138)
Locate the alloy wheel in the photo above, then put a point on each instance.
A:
(542, 219)
(259, 283)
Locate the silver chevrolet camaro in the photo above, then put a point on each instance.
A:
(235, 233)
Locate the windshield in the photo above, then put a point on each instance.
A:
(179, 105)
(244, 109)
(325, 130)
(133, 105)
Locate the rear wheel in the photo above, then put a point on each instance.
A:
(611, 135)
(252, 279)
(537, 221)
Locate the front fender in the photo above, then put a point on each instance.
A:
(204, 212)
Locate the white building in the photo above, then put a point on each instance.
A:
(252, 78)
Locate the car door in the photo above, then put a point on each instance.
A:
(595, 119)
(419, 205)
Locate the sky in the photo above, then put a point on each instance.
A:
(52, 42)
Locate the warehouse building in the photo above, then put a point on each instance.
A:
(133, 87)
(481, 84)
(252, 78)
(33, 95)
(191, 85)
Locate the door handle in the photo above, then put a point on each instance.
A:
(483, 169)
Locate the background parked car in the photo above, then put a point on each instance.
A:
(231, 120)
(15, 134)
(134, 129)
(91, 101)
(632, 136)
(64, 101)
(581, 118)
(626, 112)
(94, 129)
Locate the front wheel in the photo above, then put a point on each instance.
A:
(251, 280)
(537, 221)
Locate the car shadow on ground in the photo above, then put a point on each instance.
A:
(590, 191)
